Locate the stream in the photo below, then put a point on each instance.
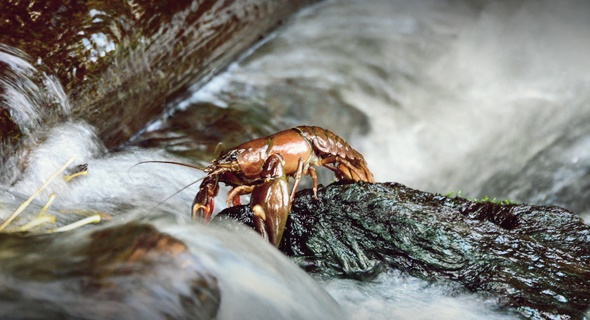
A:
(479, 98)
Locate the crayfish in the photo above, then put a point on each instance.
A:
(262, 167)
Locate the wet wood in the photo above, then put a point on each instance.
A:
(122, 63)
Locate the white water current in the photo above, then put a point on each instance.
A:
(455, 92)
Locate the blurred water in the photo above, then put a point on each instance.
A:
(490, 98)
(456, 92)
(30, 94)
(438, 95)
(256, 281)
(393, 295)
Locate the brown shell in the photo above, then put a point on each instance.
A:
(335, 151)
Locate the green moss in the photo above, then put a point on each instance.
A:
(484, 199)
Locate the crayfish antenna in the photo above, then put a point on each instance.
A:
(168, 162)
(176, 163)
(175, 193)
(218, 149)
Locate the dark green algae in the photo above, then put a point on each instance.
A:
(533, 259)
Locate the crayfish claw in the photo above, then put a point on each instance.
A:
(259, 218)
(198, 212)
(202, 212)
(270, 201)
(203, 204)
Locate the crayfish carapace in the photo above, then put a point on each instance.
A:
(262, 167)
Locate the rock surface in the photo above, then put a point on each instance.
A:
(120, 63)
(129, 271)
(534, 259)
(154, 269)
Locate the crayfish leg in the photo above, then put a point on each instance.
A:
(314, 179)
(345, 170)
(297, 178)
(233, 196)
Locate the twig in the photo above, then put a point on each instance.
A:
(41, 217)
(37, 221)
(77, 174)
(92, 219)
(25, 204)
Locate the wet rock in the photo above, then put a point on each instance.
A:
(129, 271)
(245, 113)
(154, 269)
(534, 259)
(122, 62)
(198, 131)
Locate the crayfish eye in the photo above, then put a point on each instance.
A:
(228, 157)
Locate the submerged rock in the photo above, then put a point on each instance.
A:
(534, 259)
(127, 271)
(154, 270)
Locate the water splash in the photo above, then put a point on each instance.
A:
(258, 281)
(31, 96)
(448, 105)
(393, 295)
(113, 181)
(455, 93)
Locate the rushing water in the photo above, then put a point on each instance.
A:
(438, 95)
(456, 93)
(395, 296)
(488, 98)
